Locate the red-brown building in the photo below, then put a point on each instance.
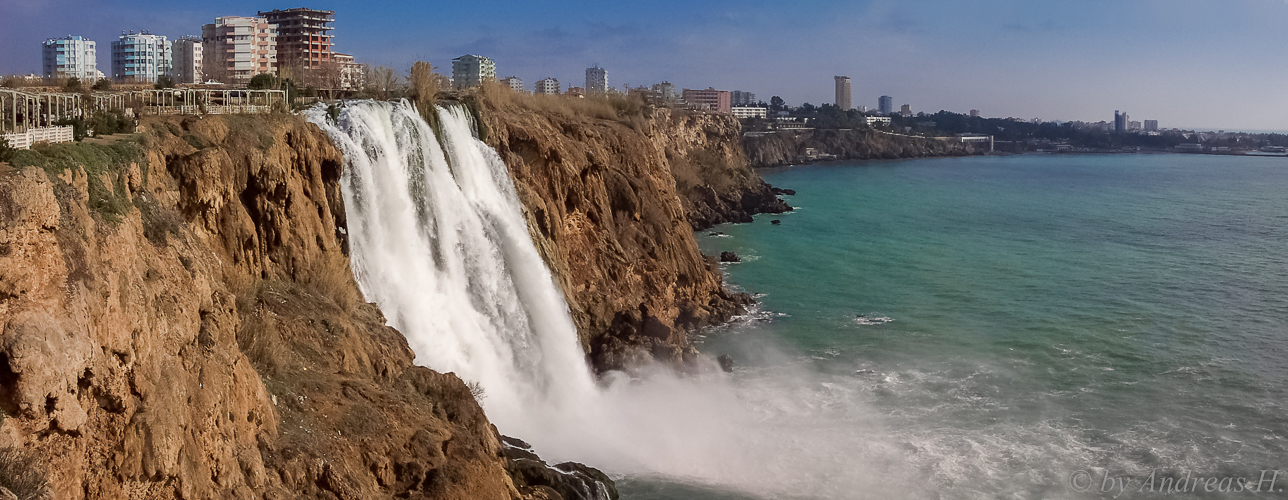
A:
(303, 36)
(710, 99)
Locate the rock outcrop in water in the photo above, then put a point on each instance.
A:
(612, 205)
(789, 147)
(179, 321)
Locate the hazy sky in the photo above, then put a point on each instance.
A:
(1187, 63)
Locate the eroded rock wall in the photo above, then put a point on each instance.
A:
(612, 204)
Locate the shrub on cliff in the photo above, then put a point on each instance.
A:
(424, 85)
(21, 473)
(6, 151)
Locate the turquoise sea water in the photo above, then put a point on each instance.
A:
(1003, 322)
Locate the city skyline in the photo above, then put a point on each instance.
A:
(1009, 58)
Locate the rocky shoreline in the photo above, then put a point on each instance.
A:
(793, 147)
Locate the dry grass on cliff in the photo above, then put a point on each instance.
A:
(332, 277)
(629, 110)
(22, 474)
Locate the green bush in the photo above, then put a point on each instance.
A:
(164, 82)
(6, 151)
(103, 84)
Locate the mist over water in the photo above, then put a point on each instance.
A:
(1047, 314)
(438, 241)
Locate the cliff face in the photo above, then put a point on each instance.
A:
(612, 205)
(785, 148)
(177, 320)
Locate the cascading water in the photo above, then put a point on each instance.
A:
(439, 242)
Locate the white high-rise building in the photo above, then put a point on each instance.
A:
(515, 83)
(596, 80)
(185, 59)
(470, 70)
(71, 57)
(140, 57)
(235, 48)
(548, 86)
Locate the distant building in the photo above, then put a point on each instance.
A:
(1132, 125)
(843, 92)
(861, 109)
(877, 120)
(666, 92)
(885, 105)
(576, 92)
(514, 82)
(905, 111)
(71, 57)
(596, 80)
(304, 39)
(185, 59)
(236, 48)
(1190, 147)
(709, 99)
(1120, 122)
(1151, 125)
(471, 70)
(546, 86)
(749, 112)
(140, 57)
(738, 98)
(974, 113)
(352, 74)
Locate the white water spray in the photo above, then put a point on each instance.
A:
(438, 240)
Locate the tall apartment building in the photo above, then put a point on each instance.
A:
(304, 38)
(140, 57)
(710, 99)
(843, 93)
(546, 86)
(743, 99)
(185, 59)
(974, 113)
(885, 105)
(70, 57)
(470, 70)
(905, 111)
(1151, 125)
(515, 83)
(1120, 122)
(236, 48)
(596, 80)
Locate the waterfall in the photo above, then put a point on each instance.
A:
(438, 241)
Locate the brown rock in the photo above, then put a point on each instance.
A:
(147, 368)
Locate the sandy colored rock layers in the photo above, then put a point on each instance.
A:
(211, 342)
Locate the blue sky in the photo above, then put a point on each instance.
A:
(1187, 63)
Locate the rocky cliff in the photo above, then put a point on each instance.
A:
(789, 147)
(178, 320)
(613, 195)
